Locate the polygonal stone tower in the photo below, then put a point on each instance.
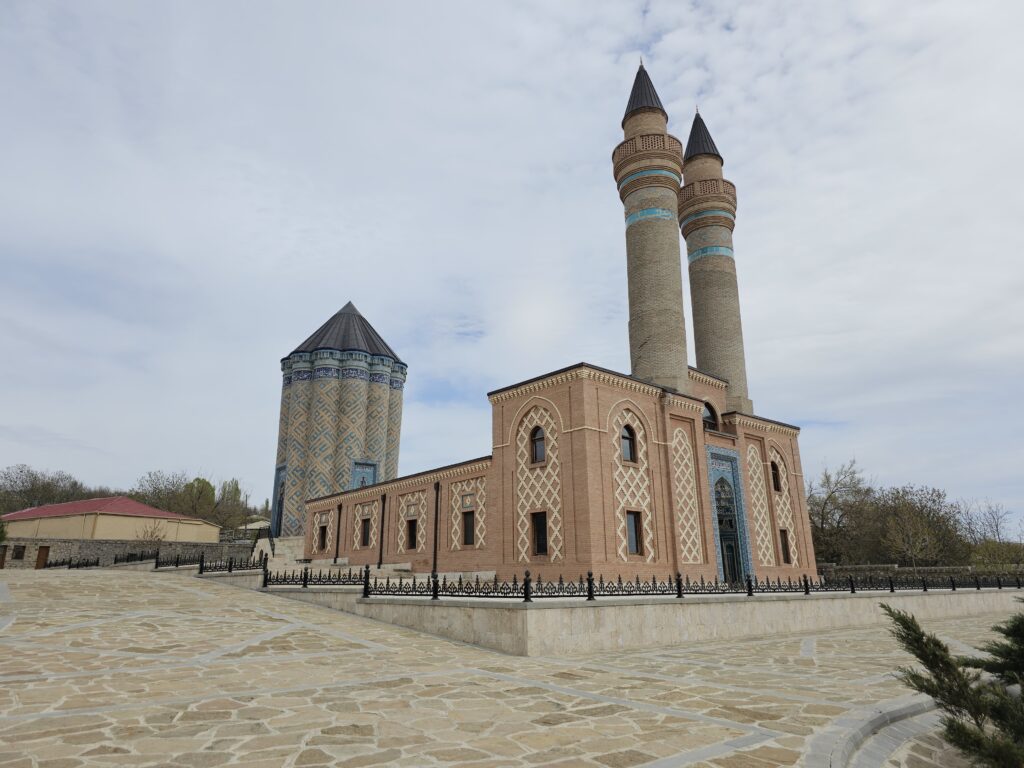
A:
(707, 215)
(341, 416)
(648, 171)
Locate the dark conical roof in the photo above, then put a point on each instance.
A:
(643, 95)
(347, 330)
(700, 141)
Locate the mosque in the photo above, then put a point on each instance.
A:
(666, 469)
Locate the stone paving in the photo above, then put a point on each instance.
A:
(105, 668)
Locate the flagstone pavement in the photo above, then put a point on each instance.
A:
(129, 668)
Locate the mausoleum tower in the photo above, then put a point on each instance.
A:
(341, 416)
(707, 215)
(648, 172)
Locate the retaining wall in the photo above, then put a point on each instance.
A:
(556, 627)
(106, 549)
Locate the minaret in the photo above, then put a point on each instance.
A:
(707, 215)
(341, 416)
(648, 171)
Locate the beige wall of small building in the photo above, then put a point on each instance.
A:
(585, 488)
(99, 525)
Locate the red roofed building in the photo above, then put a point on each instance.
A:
(111, 519)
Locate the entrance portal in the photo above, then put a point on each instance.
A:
(42, 555)
(728, 535)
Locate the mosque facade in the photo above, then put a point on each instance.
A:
(662, 470)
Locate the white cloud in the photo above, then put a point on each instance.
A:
(190, 189)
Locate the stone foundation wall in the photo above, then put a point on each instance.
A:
(107, 549)
(556, 627)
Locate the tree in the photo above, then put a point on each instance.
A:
(982, 718)
(3, 531)
(922, 528)
(163, 490)
(151, 533)
(834, 502)
(21, 486)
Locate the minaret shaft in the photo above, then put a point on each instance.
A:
(648, 171)
(707, 215)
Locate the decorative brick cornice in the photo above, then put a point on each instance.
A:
(762, 425)
(711, 381)
(372, 492)
(687, 405)
(576, 374)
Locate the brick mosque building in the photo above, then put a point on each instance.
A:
(661, 470)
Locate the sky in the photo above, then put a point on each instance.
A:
(189, 189)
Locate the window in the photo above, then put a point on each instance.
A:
(19, 552)
(322, 540)
(635, 533)
(628, 441)
(468, 529)
(364, 534)
(710, 417)
(537, 445)
(410, 532)
(539, 523)
(776, 478)
(784, 539)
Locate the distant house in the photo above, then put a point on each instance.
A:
(98, 528)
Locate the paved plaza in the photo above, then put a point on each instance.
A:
(123, 668)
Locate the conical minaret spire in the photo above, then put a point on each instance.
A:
(648, 170)
(707, 215)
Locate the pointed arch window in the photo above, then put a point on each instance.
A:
(627, 439)
(537, 452)
(776, 478)
(710, 417)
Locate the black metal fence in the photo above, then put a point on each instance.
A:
(68, 562)
(137, 557)
(210, 566)
(589, 588)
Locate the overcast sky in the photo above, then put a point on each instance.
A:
(189, 189)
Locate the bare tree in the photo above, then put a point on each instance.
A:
(152, 533)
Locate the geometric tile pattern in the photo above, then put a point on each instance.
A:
(684, 485)
(377, 406)
(413, 506)
(394, 433)
(538, 489)
(368, 509)
(478, 487)
(321, 519)
(323, 436)
(351, 430)
(723, 464)
(759, 505)
(784, 507)
(282, 428)
(632, 484)
(298, 424)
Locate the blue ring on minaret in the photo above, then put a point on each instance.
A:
(640, 174)
(645, 214)
(711, 250)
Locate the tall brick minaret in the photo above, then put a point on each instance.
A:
(707, 215)
(648, 172)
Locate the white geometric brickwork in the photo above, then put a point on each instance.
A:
(538, 489)
(759, 505)
(684, 485)
(368, 509)
(321, 519)
(477, 488)
(632, 484)
(413, 506)
(784, 506)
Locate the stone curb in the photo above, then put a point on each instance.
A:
(836, 745)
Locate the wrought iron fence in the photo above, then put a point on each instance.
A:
(73, 563)
(178, 561)
(589, 588)
(137, 557)
(230, 565)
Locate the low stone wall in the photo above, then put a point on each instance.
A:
(557, 627)
(107, 549)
